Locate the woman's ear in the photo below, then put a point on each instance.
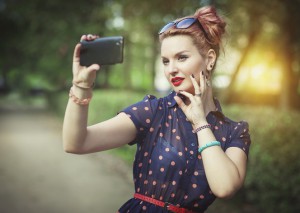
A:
(211, 60)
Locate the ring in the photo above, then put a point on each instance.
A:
(199, 95)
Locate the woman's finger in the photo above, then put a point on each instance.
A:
(88, 37)
(76, 55)
(91, 37)
(180, 103)
(186, 94)
(195, 84)
(93, 67)
(83, 37)
(202, 82)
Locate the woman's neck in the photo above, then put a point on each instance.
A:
(209, 106)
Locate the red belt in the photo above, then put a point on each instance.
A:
(165, 205)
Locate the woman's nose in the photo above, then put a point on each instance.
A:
(172, 69)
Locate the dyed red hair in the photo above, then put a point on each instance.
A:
(212, 24)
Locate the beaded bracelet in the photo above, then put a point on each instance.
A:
(76, 100)
(201, 127)
(212, 143)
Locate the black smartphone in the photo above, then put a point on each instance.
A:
(102, 51)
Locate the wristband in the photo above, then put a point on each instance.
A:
(76, 100)
(201, 127)
(212, 143)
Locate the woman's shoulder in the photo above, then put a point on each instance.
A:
(235, 126)
(235, 122)
(220, 114)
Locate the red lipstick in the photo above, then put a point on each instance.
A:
(177, 81)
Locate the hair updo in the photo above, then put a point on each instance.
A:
(209, 36)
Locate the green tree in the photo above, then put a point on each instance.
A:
(40, 37)
(252, 19)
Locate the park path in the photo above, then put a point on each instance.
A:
(37, 176)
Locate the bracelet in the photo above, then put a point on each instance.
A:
(201, 127)
(212, 143)
(77, 100)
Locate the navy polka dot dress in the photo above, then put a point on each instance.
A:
(167, 165)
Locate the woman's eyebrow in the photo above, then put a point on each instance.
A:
(181, 52)
(177, 54)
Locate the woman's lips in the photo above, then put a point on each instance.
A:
(177, 81)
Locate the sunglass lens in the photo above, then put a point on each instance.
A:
(185, 23)
(167, 26)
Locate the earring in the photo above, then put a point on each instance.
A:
(208, 83)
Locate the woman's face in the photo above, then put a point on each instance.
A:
(181, 59)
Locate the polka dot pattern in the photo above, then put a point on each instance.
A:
(167, 165)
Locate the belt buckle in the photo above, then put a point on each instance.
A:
(167, 205)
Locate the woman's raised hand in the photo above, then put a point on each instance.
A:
(194, 108)
(84, 77)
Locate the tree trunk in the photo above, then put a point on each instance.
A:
(227, 94)
(290, 97)
(4, 87)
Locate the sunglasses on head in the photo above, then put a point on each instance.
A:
(182, 24)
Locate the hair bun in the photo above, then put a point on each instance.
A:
(212, 23)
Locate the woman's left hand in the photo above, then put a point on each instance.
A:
(194, 108)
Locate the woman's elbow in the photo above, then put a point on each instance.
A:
(226, 192)
(71, 149)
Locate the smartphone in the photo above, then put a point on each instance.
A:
(102, 51)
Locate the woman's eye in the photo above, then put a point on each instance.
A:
(182, 58)
(165, 61)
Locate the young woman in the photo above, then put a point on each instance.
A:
(188, 152)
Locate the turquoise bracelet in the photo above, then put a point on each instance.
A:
(212, 143)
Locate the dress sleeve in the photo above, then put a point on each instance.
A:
(240, 136)
(141, 114)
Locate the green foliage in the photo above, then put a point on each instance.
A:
(40, 37)
(273, 177)
(107, 103)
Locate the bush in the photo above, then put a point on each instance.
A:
(273, 178)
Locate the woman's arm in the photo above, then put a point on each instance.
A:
(225, 171)
(80, 139)
(77, 137)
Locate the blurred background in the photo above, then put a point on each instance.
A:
(257, 77)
